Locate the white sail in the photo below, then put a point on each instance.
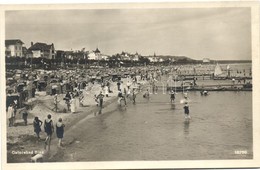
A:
(228, 67)
(218, 70)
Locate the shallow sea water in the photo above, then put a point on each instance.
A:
(155, 129)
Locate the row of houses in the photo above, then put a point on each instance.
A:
(16, 48)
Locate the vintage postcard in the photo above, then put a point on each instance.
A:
(130, 85)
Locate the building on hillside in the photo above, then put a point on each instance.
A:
(14, 48)
(161, 60)
(79, 55)
(92, 55)
(104, 57)
(135, 57)
(206, 60)
(43, 50)
(125, 56)
(153, 59)
(60, 54)
(68, 54)
(95, 55)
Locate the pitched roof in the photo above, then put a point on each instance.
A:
(97, 51)
(12, 42)
(40, 46)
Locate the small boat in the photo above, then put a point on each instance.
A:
(218, 74)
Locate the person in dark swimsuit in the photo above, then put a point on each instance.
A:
(172, 96)
(48, 128)
(186, 111)
(60, 131)
(37, 126)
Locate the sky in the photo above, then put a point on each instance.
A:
(215, 33)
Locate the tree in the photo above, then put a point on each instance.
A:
(144, 60)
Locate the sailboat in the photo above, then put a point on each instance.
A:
(218, 70)
(218, 73)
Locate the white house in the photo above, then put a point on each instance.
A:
(153, 59)
(92, 55)
(135, 57)
(206, 60)
(14, 48)
(160, 60)
(125, 56)
(42, 50)
(96, 55)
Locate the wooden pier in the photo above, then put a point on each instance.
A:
(211, 87)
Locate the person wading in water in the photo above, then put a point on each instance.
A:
(172, 96)
(121, 97)
(100, 97)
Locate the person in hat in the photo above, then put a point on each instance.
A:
(186, 106)
(172, 96)
(186, 111)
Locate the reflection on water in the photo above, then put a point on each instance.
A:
(186, 127)
(102, 123)
(121, 109)
(173, 106)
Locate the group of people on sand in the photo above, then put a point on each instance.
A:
(11, 114)
(128, 93)
(71, 102)
(49, 129)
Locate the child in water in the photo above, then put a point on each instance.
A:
(186, 111)
(172, 94)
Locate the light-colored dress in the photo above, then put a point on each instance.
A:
(10, 112)
(73, 105)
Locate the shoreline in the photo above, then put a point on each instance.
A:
(25, 140)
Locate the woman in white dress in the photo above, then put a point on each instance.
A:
(73, 105)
